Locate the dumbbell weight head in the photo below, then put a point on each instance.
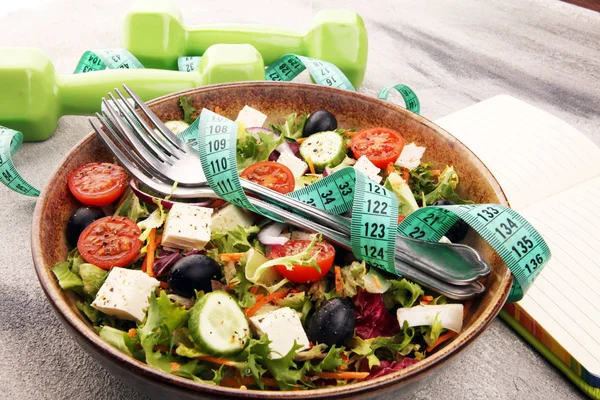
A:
(154, 33)
(340, 37)
(28, 92)
(33, 96)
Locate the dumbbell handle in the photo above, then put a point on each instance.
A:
(271, 42)
(80, 94)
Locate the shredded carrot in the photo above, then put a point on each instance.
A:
(302, 139)
(405, 174)
(349, 133)
(239, 382)
(401, 218)
(344, 366)
(231, 285)
(132, 332)
(339, 281)
(217, 360)
(164, 285)
(390, 168)
(260, 302)
(426, 299)
(218, 110)
(227, 257)
(157, 240)
(150, 252)
(343, 375)
(441, 339)
(311, 166)
(254, 289)
(175, 366)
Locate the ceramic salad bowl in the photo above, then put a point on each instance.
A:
(276, 100)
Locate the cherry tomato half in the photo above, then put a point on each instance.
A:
(98, 184)
(381, 145)
(110, 242)
(300, 273)
(272, 175)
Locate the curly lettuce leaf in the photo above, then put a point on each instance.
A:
(131, 207)
(405, 292)
(235, 241)
(189, 111)
(384, 346)
(292, 126)
(75, 260)
(67, 279)
(406, 199)
(154, 220)
(93, 277)
(255, 147)
(241, 290)
(445, 188)
(352, 276)
(119, 339)
(433, 332)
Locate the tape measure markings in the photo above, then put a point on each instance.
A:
(10, 142)
(188, 64)
(410, 98)
(518, 244)
(98, 60)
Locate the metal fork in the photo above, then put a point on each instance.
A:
(165, 158)
(144, 175)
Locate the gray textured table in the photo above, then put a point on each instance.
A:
(452, 53)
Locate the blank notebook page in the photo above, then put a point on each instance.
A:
(531, 153)
(549, 172)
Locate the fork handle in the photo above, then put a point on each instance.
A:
(333, 221)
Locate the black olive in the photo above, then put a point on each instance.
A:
(333, 323)
(193, 273)
(79, 220)
(319, 121)
(459, 230)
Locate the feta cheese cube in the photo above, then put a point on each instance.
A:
(251, 118)
(124, 294)
(283, 327)
(230, 217)
(368, 168)
(187, 227)
(411, 156)
(296, 165)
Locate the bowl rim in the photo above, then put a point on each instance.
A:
(55, 295)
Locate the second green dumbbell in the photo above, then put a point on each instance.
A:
(154, 33)
(33, 97)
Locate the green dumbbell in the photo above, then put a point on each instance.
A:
(33, 97)
(154, 33)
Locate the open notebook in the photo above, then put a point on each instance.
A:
(550, 173)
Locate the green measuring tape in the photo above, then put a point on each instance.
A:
(325, 73)
(10, 142)
(98, 60)
(375, 210)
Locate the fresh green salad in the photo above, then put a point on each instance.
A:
(216, 294)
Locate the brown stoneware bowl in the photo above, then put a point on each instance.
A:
(353, 110)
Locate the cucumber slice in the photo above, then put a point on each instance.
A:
(324, 149)
(218, 325)
(177, 126)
